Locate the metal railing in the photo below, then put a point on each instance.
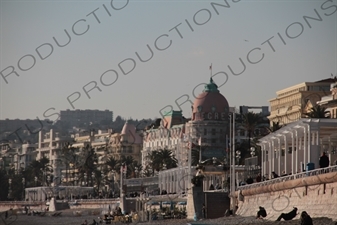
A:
(290, 177)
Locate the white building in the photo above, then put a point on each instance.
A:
(292, 147)
(49, 146)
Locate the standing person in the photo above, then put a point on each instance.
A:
(323, 161)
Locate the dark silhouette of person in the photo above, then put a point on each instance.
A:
(323, 161)
(305, 219)
(249, 180)
(261, 213)
(288, 216)
(258, 178)
(275, 175)
(211, 187)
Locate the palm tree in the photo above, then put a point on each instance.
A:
(87, 163)
(155, 163)
(128, 160)
(317, 111)
(38, 168)
(112, 163)
(250, 121)
(166, 157)
(276, 126)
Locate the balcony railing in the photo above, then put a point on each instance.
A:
(290, 177)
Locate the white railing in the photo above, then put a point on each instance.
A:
(290, 177)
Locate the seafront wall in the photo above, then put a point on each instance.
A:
(315, 194)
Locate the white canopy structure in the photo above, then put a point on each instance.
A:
(291, 148)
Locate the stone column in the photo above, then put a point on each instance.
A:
(309, 145)
(305, 146)
(270, 157)
(285, 154)
(262, 159)
(279, 156)
(292, 153)
(297, 150)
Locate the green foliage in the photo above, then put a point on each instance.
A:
(317, 112)
(160, 158)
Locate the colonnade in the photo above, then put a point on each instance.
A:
(289, 149)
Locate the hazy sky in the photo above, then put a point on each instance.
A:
(109, 49)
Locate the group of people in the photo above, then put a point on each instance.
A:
(304, 218)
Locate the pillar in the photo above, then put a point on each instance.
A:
(279, 156)
(309, 145)
(292, 153)
(270, 157)
(305, 146)
(262, 159)
(297, 150)
(285, 154)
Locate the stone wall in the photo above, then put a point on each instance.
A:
(317, 195)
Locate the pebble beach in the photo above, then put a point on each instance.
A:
(69, 217)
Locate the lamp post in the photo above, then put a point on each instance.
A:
(92, 178)
(23, 191)
(136, 172)
(232, 161)
(85, 179)
(238, 156)
(35, 179)
(252, 151)
(9, 187)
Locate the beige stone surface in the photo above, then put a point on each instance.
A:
(71, 217)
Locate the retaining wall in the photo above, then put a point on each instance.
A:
(315, 194)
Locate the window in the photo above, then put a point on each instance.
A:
(213, 131)
(205, 131)
(213, 140)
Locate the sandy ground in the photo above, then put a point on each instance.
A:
(69, 218)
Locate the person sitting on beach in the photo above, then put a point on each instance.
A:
(261, 213)
(306, 219)
(288, 216)
(85, 222)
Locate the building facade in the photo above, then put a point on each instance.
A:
(330, 101)
(290, 103)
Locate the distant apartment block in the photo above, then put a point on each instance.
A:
(85, 116)
(290, 103)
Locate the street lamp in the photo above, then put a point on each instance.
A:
(35, 179)
(252, 151)
(23, 191)
(93, 177)
(48, 180)
(136, 171)
(85, 179)
(9, 187)
(238, 156)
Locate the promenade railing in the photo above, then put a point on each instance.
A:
(290, 177)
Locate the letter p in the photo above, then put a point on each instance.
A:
(74, 100)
